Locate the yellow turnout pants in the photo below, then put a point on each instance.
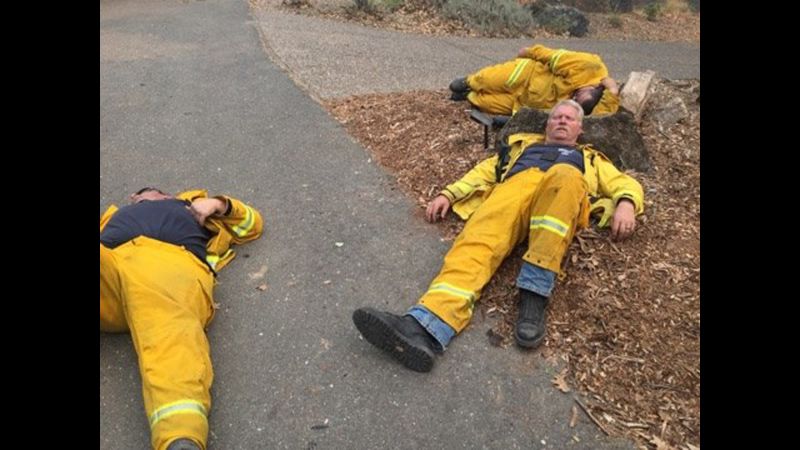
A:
(493, 89)
(162, 294)
(546, 207)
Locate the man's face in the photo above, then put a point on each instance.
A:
(150, 194)
(563, 126)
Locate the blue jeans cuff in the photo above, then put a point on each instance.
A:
(536, 279)
(441, 332)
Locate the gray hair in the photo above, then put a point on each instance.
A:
(575, 105)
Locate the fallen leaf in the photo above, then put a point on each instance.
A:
(259, 274)
(262, 287)
(560, 382)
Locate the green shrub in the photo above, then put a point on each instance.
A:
(558, 25)
(503, 17)
(622, 6)
(391, 5)
(615, 21)
(363, 5)
(652, 11)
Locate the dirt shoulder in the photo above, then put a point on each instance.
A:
(675, 24)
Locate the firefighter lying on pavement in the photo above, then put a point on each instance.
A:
(538, 78)
(538, 190)
(158, 262)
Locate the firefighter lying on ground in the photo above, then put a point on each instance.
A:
(539, 78)
(158, 262)
(538, 190)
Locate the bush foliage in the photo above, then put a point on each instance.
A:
(503, 17)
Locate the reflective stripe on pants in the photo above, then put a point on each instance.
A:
(560, 201)
(494, 88)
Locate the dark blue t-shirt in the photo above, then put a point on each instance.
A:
(165, 220)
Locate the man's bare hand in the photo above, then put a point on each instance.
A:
(437, 208)
(624, 221)
(202, 208)
(610, 85)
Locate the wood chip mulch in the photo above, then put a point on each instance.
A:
(626, 318)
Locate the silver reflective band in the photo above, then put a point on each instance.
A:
(447, 288)
(246, 225)
(214, 259)
(179, 407)
(517, 71)
(551, 224)
(554, 59)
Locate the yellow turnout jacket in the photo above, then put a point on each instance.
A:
(558, 74)
(604, 181)
(242, 224)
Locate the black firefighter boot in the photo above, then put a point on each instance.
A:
(183, 444)
(401, 336)
(531, 327)
(460, 89)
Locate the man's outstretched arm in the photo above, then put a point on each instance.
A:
(202, 208)
(625, 192)
(243, 221)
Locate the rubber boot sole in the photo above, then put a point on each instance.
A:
(382, 335)
(528, 343)
(459, 96)
(459, 85)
